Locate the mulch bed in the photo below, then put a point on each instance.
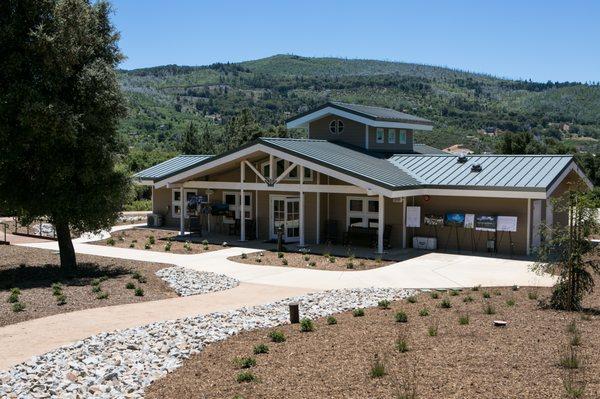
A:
(34, 271)
(137, 238)
(476, 360)
(309, 261)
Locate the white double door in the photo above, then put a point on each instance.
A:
(285, 212)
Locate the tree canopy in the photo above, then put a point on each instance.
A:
(60, 105)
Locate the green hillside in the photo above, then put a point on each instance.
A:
(164, 99)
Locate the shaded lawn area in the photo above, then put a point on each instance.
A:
(34, 271)
(476, 360)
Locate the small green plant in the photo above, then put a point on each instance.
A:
(245, 376)
(424, 312)
(306, 258)
(147, 245)
(331, 320)
(187, 246)
(332, 259)
(96, 288)
(151, 240)
(486, 295)
(401, 317)
(244, 255)
(510, 302)
(258, 259)
(445, 304)
(168, 246)
(349, 265)
(134, 241)
(573, 389)
(454, 292)
(532, 295)
(244, 362)
(358, 312)
(515, 288)
(14, 296)
(111, 242)
(432, 330)
(434, 295)
(463, 320)
(95, 282)
(102, 295)
(570, 358)
(284, 262)
(205, 243)
(476, 288)
(130, 285)
(489, 309)
(139, 291)
(312, 263)
(497, 292)
(280, 255)
(575, 339)
(56, 289)
(411, 299)
(401, 343)
(572, 327)
(468, 299)
(261, 349)
(378, 368)
(383, 304)
(18, 307)
(307, 325)
(205, 247)
(378, 260)
(132, 245)
(277, 336)
(61, 299)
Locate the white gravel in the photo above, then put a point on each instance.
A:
(186, 281)
(121, 363)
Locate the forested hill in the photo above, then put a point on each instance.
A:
(164, 99)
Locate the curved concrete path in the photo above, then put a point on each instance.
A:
(20, 341)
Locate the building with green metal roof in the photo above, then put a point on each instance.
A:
(359, 179)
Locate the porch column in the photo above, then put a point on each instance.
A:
(182, 206)
(528, 225)
(549, 218)
(380, 225)
(318, 239)
(301, 215)
(242, 202)
(404, 199)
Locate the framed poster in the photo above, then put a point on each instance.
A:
(507, 223)
(413, 216)
(485, 223)
(469, 221)
(454, 219)
(434, 220)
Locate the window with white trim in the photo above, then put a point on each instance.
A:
(336, 126)
(402, 136)
(282, 165)
(176, 201)
(391, 136)
(232, 199)
(379, 133)
(362, 212)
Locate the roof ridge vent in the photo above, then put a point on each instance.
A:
(462, 158)
(476, 167)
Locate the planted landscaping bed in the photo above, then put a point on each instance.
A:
(32, 284)
(434, 345)
(156, 240)
(309, 261)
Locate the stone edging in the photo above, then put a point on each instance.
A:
(186, 281)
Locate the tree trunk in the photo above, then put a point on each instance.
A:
(65, 246)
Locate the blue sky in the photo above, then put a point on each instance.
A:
(538, 40)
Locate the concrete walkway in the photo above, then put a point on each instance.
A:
(20, 341)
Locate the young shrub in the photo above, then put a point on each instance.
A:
(306, 258)
(572, 327)
(277, 336)
(332, 259)
(96, 288)
(307, 325)
(497, 292)
(15, 291)
(378, 260)
(95, 282)
(284, 262)
(261, 349)
(168, 246)
(434, 295)
(245, 376)
(463, 320)
(244, 255)
(326, 254)
(132, 245)
(454, 292)
(312, 263)
(468, 299)
(187, 246)
(575, 339)
(139, 291)
(56, 289)
(280, 255)
(510, 302)
(515, 288)
(432, 330)
(489, 309)
(244, 362)
(102, 295)
(103, 278)
(378, 368)
(134, 241)
(349, 265)
(486, 295)
(476, 288)
(205, 243)
(61, 299)
(445, 304)
(152, 240)
(573, 389)
(383, 304)
(111, 242)
(13, 298)
(570, 358)
(401, 317)
(205, 247)
(331, 320)
(358, 312)
(147, 245)
(411, 299)
(18, 307)
(130, 285)
(424, 312)
(401, 343)
(258, 259)
(532, 295)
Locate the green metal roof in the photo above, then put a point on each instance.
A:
(426, 149)
(170, 167)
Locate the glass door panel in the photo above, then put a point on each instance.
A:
(292, 222)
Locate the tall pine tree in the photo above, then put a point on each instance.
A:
(190, 144)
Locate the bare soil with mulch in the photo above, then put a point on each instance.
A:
(476, 360)
(141, 238)
(34, 271)
(309, 261)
